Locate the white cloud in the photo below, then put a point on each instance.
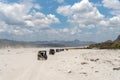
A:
(70, 31)
(85, 15)
(52, 18)
(97, 4)
(22, 18)
(29, 23)
(60, 1)
(21, 31)
(75, 30)
(23, 21)
(114, 5)
(65, 30)
(41, 20)
(37, 6)
(1, 30)
(82, 14)
(12, 13)
(64, 10)
(16, 14)
(113, 22)
(104, 23)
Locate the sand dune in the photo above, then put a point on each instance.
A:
(80, 64)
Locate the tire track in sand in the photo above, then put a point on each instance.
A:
(31, 73)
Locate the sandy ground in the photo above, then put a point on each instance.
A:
(84, 64)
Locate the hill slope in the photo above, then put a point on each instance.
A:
(118, 38)
(107, 44)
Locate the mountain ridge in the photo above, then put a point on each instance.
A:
(55, 43)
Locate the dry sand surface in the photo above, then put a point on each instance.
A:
(82, 64)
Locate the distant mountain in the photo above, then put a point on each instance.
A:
(11, 43)
(75, 43)
(107, 44)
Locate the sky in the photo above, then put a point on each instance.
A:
(46, 20)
